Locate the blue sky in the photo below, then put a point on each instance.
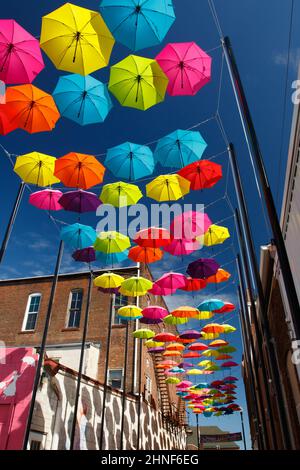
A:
(259, 32)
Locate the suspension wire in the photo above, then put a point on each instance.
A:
(215, 17)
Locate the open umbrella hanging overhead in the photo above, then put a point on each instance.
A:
(203, 268)
(190, 224)
(216, 235)
(108, 259)
(130, 161)
(135, 286)
(152, 237)
(36, 168)
(6, 125)
(202, 174)
(76, 39)
(85, 255)
(77, 170)
(111, 242)
(47, 199)
(144, 254)
(167, 188)
(78, 236)
(79, 201)
(120, 194)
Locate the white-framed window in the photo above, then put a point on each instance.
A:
(32, 311)
(115, 378)
(74, 308)
(148, 388)
(119, 301)
(37, 441)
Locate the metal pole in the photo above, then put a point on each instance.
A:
(106, 373)
(43, 345)
(135, 345)
(254, 149)
(243, 430)
(12, 220)
(140, 395)
(82, 353)
(198, 439)
(124, 386)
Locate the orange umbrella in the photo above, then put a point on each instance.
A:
(171, 353)
(223, 357)
(143, 254)
(77, 170)
(213, 328)
(175, 347)
(184, 340)
(29, 108)
(220, 276)
(185, 312)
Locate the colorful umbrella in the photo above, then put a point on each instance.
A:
(84, 100)
(79, 201)
(30, 109)
(228, 328)
(76, 39)
(20, 54)
(223, 357)
(182, 247)
(172, 380)
(170, 320)
(210, 305)
(130, 161)
(108, 281)
(229, 364)
(78, 236)
(194, 372)
(190, 334)
(167, 188)
(203, 268)
(193, 284)
(151, 321)
(120, 194)
(86, 255)
(227, 307)
(217, 343)
(135, 286)
(143, 333)
(202, 174)
(213, 328)
(184, 384)
(158, 290)
(180, 148)
(204, 316)
(111, 258)
(171, 281)
(209, 336)
(77, 170)
(6, 126)
(171, 354)
(131, 311)
(165, 337)
(152, 237)
(137, 23)
(175, 347)
(187, 67)
(111, 242)
(36, 168)
(157, 350)
(185, 312)
(198, 347)
(220, 276)
(154, 312)
(153, 344)
(230, 378)
(190, 224)
(216, 235)
(143, 254)
(138, 82)
(210, 353)
(47, 199)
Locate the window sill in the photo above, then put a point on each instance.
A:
(71, 329)
(26, 332)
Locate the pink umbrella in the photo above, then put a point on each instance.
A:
(184, 384)
(229, 364)
(47, 199)
(20, 54)
(190, 225)
(171, 281)
(154, 312)
(187, 67)
(182, 246)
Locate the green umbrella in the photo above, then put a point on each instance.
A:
(143, 333)
(120, 194)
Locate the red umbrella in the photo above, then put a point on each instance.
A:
(6, 124)
(202, 174)
(152, 237)
(227, 307)
(194, 284)
(191, 354)
(164, 337)
(198, 347)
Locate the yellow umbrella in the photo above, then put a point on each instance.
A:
(194, 372)
(138, 82)
(210, 353)
(135, 286)
(206, 363)
(228, 328)
(111, 242)
(168, 188)
(154, 344)
(203, 315)
(213, 328)
(129, 311)
(208, 336)
(108, 281)
(216, 235)
(143, 333)
(36, 168)
(76, 39)
(185, 312)
(120, 194)
(170, 320)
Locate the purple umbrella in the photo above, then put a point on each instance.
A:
(158, 349)
(186, 365)
(203, 268)
(190, 334)
(79, 201)
(86, 255)
(151, 321)
(109, 290)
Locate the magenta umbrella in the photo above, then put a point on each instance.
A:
(20, 54)
(190, 334)
(80, 201)
(203, 268)
(86, 255)
(171, 281)
(187, 67)
(157, 290)
(47, 199)
(184, 384)
(154, 312)
(229, 364)
(157, 349)
(190, 225)
(182, 246)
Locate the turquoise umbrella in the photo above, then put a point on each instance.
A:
(84, 100)
(138, 23)
(210, 305)
(111, 258)
(78, 236)
(130, 161)
(180, 148)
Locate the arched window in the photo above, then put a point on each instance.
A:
(31, 312)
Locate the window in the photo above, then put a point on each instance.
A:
(118, 302)
(37, 441)
(148, 388)
(35, 445)
(75, 304)
(115, 378)
(31, 313)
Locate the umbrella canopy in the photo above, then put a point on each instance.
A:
(182, 247)
(194, 372)
(36, 168)
(180, 148)
(120, 194)
(210, 353)
(79, 201)
(198, 347)
(171, 353)
(31, 109)
(190, 224)
(77, 170)
(151, 321)
(209, 336)
(130, 311)
(216, 235)
(130, 161)
(204, 316)
(223, 357)
(167, 188)
(158, 290)
(135, 286)
(175, 347)
(6, 126)
(108, 281)
(185, 312)
(137, 82)
(217, 343)
(153, 344)
(143, 333)
(170, 320)
(210, 305)
(202, 174)
(187, 67)
(152, 237)
(220, 276)
(171, 281)
(172, 380)
(203, 268)
(154, 312)
(228, 328)
(111, 242)
(20, 54)
(230, 378)
(111, 258)
(138, 24)
(84, 100)
(78, 236)
(229, 364)
(213, 328)
(165, 337)
(143, 254)
(76, 39)
(190, 334)
(86, 255)
(193, 284)
(47, 199)
(227, 307)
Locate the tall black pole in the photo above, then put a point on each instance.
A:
(82, 353)
(12, 220)
(43, 344)
(198, 437)
(106, 373)
(124, 386)
(254, 149)
(140, 395)
(243, 430)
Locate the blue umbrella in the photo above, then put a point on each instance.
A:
(84, 100)
(111, 258)
(210, 305)
(78, 236)
(138, 23)
(180, 148)
(130, 161)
